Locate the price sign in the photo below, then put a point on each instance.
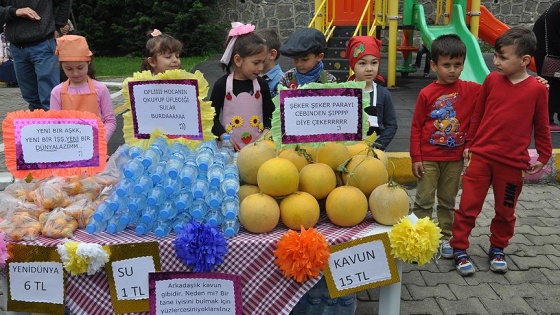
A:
(131, 277)
(37, 282)
(360, 264)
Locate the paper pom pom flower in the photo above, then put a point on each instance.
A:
(419, 242)
(78, 258)
(302, 256)
(200, 246)
(3, 251)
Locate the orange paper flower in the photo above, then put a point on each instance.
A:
(302, 256)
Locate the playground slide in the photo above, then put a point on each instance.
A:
(475, 68)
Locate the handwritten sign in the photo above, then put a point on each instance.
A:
(320, 115)
(37, 282)
(195, 293)
(131, 277)
(168, 105)
(360, 264)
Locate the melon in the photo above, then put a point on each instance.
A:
(317, 179)
(358, 148)
(332, 153)
(346, 206)
(296, 155)
(365, 173)
(278, 177)
(299, 209)
(246, 190)
(259, 213)
(250, 159)
(388, 203)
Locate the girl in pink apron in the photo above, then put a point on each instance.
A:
(241, 98)
(81, 92)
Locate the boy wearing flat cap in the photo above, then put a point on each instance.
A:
(364, 57)
(306, 47)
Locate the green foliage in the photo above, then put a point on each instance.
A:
(126, 66)
(121, 28)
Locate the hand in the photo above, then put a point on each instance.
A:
(535, 168)
(27, 13)
(418, 169)
(466, 153)
(543, 81)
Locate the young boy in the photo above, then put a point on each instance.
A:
(272, 72)
(511, 105)
(437, 135)
(364, 56)
(306, 47)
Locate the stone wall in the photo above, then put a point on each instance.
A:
(288, 15)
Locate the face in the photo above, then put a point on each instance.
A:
(366, 69)
(448, 69)
(250, 67)
(76, 71)
(270, 60)
(164, 62)
(508, 63)
(307, 63)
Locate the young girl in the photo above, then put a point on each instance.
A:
(81, 91)
(364, 57)
(241, 98)
(162, 53)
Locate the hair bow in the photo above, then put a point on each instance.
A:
(237, 29)
(155, 33)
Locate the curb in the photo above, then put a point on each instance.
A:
(403, 168)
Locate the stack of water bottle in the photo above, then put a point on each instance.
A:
(164, 187)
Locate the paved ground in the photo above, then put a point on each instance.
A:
(532, 286)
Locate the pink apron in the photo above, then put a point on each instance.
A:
(242, 115)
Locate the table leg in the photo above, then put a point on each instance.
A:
(390, 295)
(5, 298)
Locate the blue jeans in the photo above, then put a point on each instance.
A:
(37, 72)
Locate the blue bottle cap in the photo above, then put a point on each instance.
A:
(147, 218)
(159, 232)
(156, 178)
(169, 190)
(132, 206)
(214, 203)
(151, 201)
(180, 204)
(229, 232)
(90, 228)
(197, 213)
(128, 173)
(173, 173)
(230, 191)
(147, 161)
(124, 219)
(120, 191)
(111, 228)
(140, 229)
(213, 222)
(164, 214)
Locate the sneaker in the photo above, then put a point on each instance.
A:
(463, 263)
(554, 128)
(426, 75)
(497, 260)
(445, 249)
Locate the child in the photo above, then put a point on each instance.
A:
(241, 98)
(306, 47)
(437, 135)
(162, 53)
(81, 91)
(272, 72)
(364, 56)
(423, 50)
(511, 106)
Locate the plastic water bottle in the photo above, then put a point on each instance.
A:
(230, 227)
(143, 185)
(145, 227)
(347, 304)
(115, 225)
(151, 156)
(135, 152)
(226, 143)
(215, 174)
(214, 217)
(199, 188)
(157, 172)
(183, 199)
(231, 171)
(205, 154)
(162, 228)
(116, 202)
(174, 166)
(157, 196)
(124, 187)
(161, 144)
(214, 197)
(312, 301)
(150, 213)
(130, 218)
(230, 207)
(168, 210)
(133, 169)
(230, 186)
(137, 202)
(171, 186)
(188, 174)
(102, 212)
(180, 220)
(199, 208)
(96, 226)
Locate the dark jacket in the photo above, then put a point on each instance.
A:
(386, 117)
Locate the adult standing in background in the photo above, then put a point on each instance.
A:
(7, 72)
(30, 29)
(553, 32)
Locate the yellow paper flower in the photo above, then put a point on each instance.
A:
(74, 264)
(228, 128)
(255, 121)
(419, 242)
(237, 121)
(261, 127)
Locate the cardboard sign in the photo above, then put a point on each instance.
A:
(37, 282)
(360, 264)
(183, 293)
(321, 115)
(170, 106)
(130, 275)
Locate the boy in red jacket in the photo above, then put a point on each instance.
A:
(511, 105)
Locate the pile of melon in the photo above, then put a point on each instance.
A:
(294, 185)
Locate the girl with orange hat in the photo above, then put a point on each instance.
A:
(81, 91)
(364, 57)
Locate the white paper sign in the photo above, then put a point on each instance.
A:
(42, 143)
(195, 296)
(359, 265)
(37, 282)
(314, 115)
(131, 277)
(169, 107)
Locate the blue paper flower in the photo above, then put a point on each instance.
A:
(200, 246)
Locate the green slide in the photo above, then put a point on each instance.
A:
(475, 68)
